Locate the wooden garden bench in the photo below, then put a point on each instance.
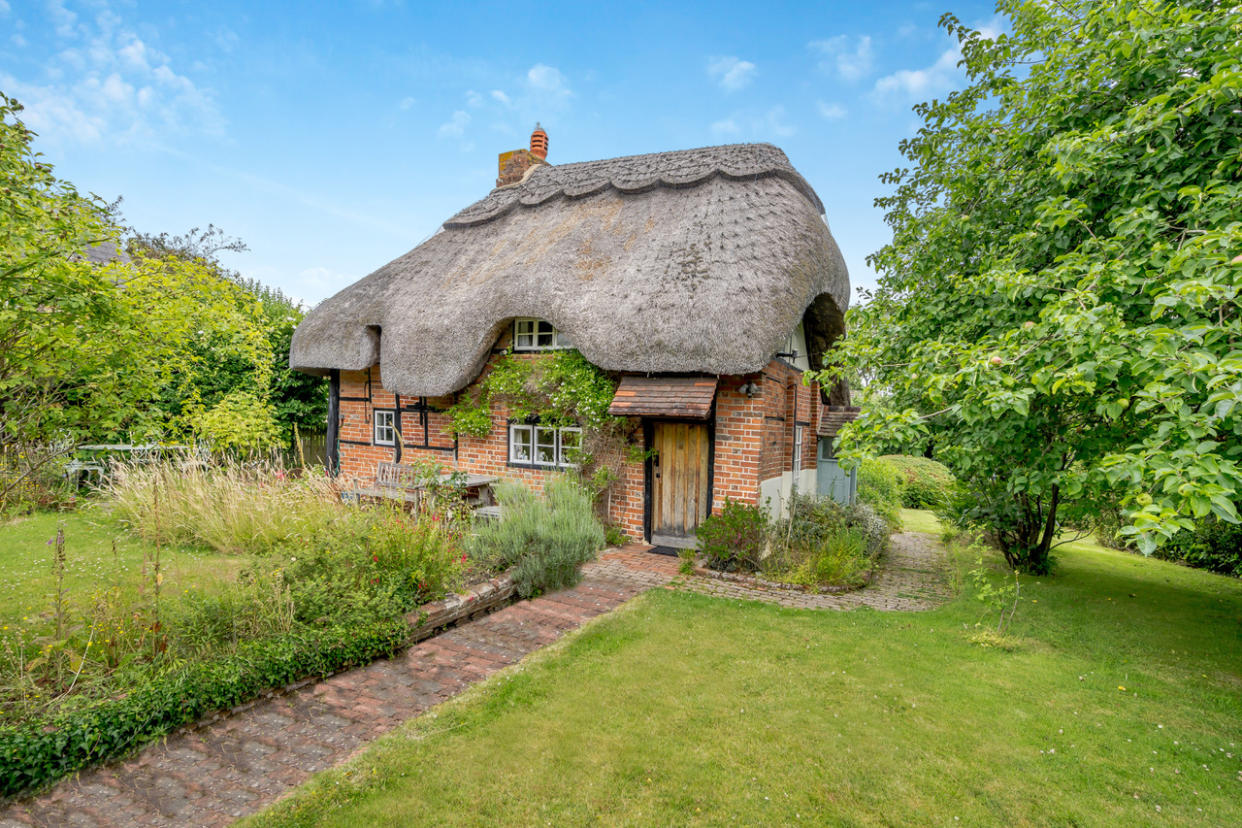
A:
(396, 481)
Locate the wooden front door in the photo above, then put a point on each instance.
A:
(680, 483)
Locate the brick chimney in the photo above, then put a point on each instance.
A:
(514, 164)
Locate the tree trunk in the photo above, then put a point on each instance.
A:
(1038, 563)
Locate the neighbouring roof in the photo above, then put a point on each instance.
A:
(105, 253)
(696, 261)
(664, 397)
(833, 417)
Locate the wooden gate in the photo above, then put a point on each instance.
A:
(680, 483)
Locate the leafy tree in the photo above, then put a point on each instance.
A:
(1058, 309)
(241, 350)
(298, 400)
(202, 342)
(62, 362)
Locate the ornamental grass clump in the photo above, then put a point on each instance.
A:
(227, 506)
(544, 540)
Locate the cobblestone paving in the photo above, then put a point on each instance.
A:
(216, 773)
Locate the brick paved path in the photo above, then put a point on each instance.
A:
(240, 764)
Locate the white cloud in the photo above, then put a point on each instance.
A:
(731, 73)
(64, 20)
(18, 41)
(501, 97)
(473, 99)
(4, 7)
(106, 83)
(935, 79)
(762, 125)
(831, 111)
(546, 78)
(545, 90)
(455, 126)
(849, 58)
(406, 103)
(941, 76)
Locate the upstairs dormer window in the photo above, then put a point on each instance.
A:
(537, 335)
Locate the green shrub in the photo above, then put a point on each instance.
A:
(374, 563)
(924, 482)
(733, 540)
(613, 536)
(821, 543)
(872, 526)
(1213, 545)
(879, 485)
(544, 540)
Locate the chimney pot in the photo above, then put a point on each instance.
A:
(539, 143)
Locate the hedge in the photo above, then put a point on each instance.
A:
(36, 753)
(924, 483)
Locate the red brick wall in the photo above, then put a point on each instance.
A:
(787, 403)
(753, 438)
(739, 430)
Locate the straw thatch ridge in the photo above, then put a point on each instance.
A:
(694, 261)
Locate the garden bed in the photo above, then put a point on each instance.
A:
(122, 655)
(39, 752)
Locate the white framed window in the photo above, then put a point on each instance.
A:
(385, 433)
(537, 335)
(797, 449)
(521, 438)
(571, 443)
(543, 446)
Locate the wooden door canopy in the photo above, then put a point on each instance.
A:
(689, 397)
(833, 417)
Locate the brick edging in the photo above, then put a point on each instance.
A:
(483, 597)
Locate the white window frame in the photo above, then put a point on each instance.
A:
(384, 419)
(527, 331)
(561, 459)
(797, 448)
(528, 446)
(542, 432)
(525, 451)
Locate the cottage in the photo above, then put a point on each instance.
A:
(704, 281)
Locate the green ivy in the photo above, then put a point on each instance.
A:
(560, 389)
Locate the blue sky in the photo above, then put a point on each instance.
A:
(333, 137)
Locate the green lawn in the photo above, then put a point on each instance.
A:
(26, 574)
(920, 520)
(1122, 704)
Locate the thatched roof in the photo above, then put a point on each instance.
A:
(696, 261)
